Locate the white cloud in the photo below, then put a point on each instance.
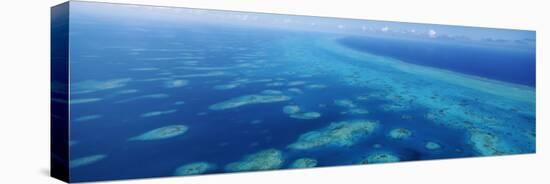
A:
(432, 33)
(385, 29)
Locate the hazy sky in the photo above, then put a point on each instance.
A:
(354, 26)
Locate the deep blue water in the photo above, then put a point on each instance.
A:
(146, 55)
(510, 64)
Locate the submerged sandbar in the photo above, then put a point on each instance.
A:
(248, 100)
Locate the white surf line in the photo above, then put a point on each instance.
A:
(500, 88)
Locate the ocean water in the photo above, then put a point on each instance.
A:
(229, 89)
(514, 65)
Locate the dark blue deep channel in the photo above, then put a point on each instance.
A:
(510, 64)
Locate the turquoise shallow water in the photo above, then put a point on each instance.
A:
(152, 100)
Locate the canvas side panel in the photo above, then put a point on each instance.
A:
(59, 62)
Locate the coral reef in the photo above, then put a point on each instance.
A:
(344, 133)
(264, 160)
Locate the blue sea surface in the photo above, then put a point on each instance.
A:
(493, 62)
(229, 84)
